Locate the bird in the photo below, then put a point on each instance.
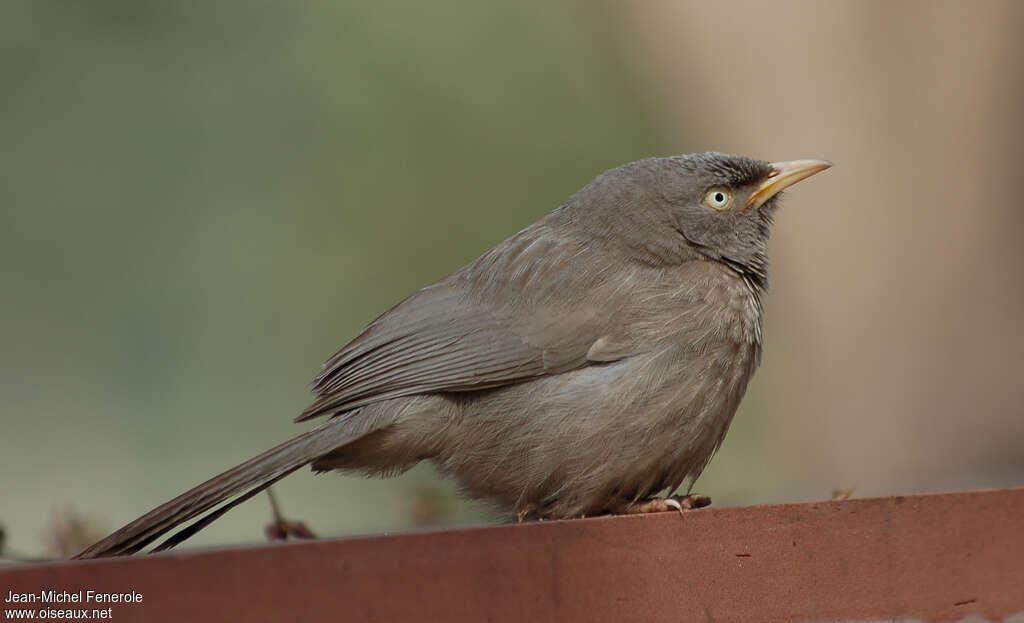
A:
(582, 366)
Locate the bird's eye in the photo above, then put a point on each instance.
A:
(718, 198)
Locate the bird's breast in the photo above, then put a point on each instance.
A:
(703, 304)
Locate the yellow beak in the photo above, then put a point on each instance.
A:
(784, 175)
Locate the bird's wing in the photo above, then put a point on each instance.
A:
(499, 321)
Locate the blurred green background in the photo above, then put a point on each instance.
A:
(202, 201)
(205, 200)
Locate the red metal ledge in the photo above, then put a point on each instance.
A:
(930, 557)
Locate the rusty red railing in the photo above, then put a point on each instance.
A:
(940, 557)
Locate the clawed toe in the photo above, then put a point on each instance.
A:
(697, 500)
(674, 503)
(679, 503)
(524, 514)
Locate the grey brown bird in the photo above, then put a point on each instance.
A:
(587, 363)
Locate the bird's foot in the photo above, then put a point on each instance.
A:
(284, 530)
(281, 529)
(660, 505)
(524, 514)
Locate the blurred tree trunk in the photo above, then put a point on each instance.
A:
(894, 345)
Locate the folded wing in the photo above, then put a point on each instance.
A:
(452, 337)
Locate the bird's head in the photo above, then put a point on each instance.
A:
(710, 205)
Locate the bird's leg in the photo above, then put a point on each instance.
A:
(280, 528)
(661, 505)
(524, 514)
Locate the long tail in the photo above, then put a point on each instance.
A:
(244, 481)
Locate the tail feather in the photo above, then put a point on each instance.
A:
(246, 479)
(209, 518)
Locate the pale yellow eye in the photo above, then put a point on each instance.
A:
(718, 198)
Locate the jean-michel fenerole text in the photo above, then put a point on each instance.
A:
(85, 596)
